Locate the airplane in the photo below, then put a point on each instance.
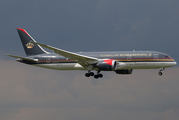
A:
(121, 62)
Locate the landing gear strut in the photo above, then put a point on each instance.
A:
(160, 71)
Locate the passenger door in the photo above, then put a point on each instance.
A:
(155, 57)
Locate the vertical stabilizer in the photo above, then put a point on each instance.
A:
(27, 42)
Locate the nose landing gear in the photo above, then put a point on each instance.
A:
(160, 71)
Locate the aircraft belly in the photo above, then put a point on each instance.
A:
(61, 66)
(120, 65)
(144, 65)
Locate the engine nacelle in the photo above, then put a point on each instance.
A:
(126, 71)
(106, 65)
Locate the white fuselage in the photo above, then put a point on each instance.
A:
(120, 65)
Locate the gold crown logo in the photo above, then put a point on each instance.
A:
(29, 45)
(150, 55)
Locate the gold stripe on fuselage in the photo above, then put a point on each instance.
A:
(147, 60)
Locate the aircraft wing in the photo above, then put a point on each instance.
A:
(29, 59)
(85, 61)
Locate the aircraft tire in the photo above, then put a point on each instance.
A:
(91, 74)
(96, 76)
(160, 73)
(87, 75)
(100, 75)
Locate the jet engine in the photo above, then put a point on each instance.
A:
(106, 65)
(126, 71)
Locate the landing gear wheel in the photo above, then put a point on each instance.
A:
(100, 75)
(160, 73)
(96, 76)
(91, 74)
(87, 75)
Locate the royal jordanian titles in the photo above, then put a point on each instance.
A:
(121, 62)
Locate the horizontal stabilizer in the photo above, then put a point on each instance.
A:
(23, 58)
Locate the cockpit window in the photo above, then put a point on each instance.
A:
(167, 56)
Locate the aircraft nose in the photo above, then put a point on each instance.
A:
(174, 63)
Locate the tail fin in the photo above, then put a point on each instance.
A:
(27, 42)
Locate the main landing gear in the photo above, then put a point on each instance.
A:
(89, 74)
(160, 71)
(97, 75)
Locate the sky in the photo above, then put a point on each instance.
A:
(29, 93)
